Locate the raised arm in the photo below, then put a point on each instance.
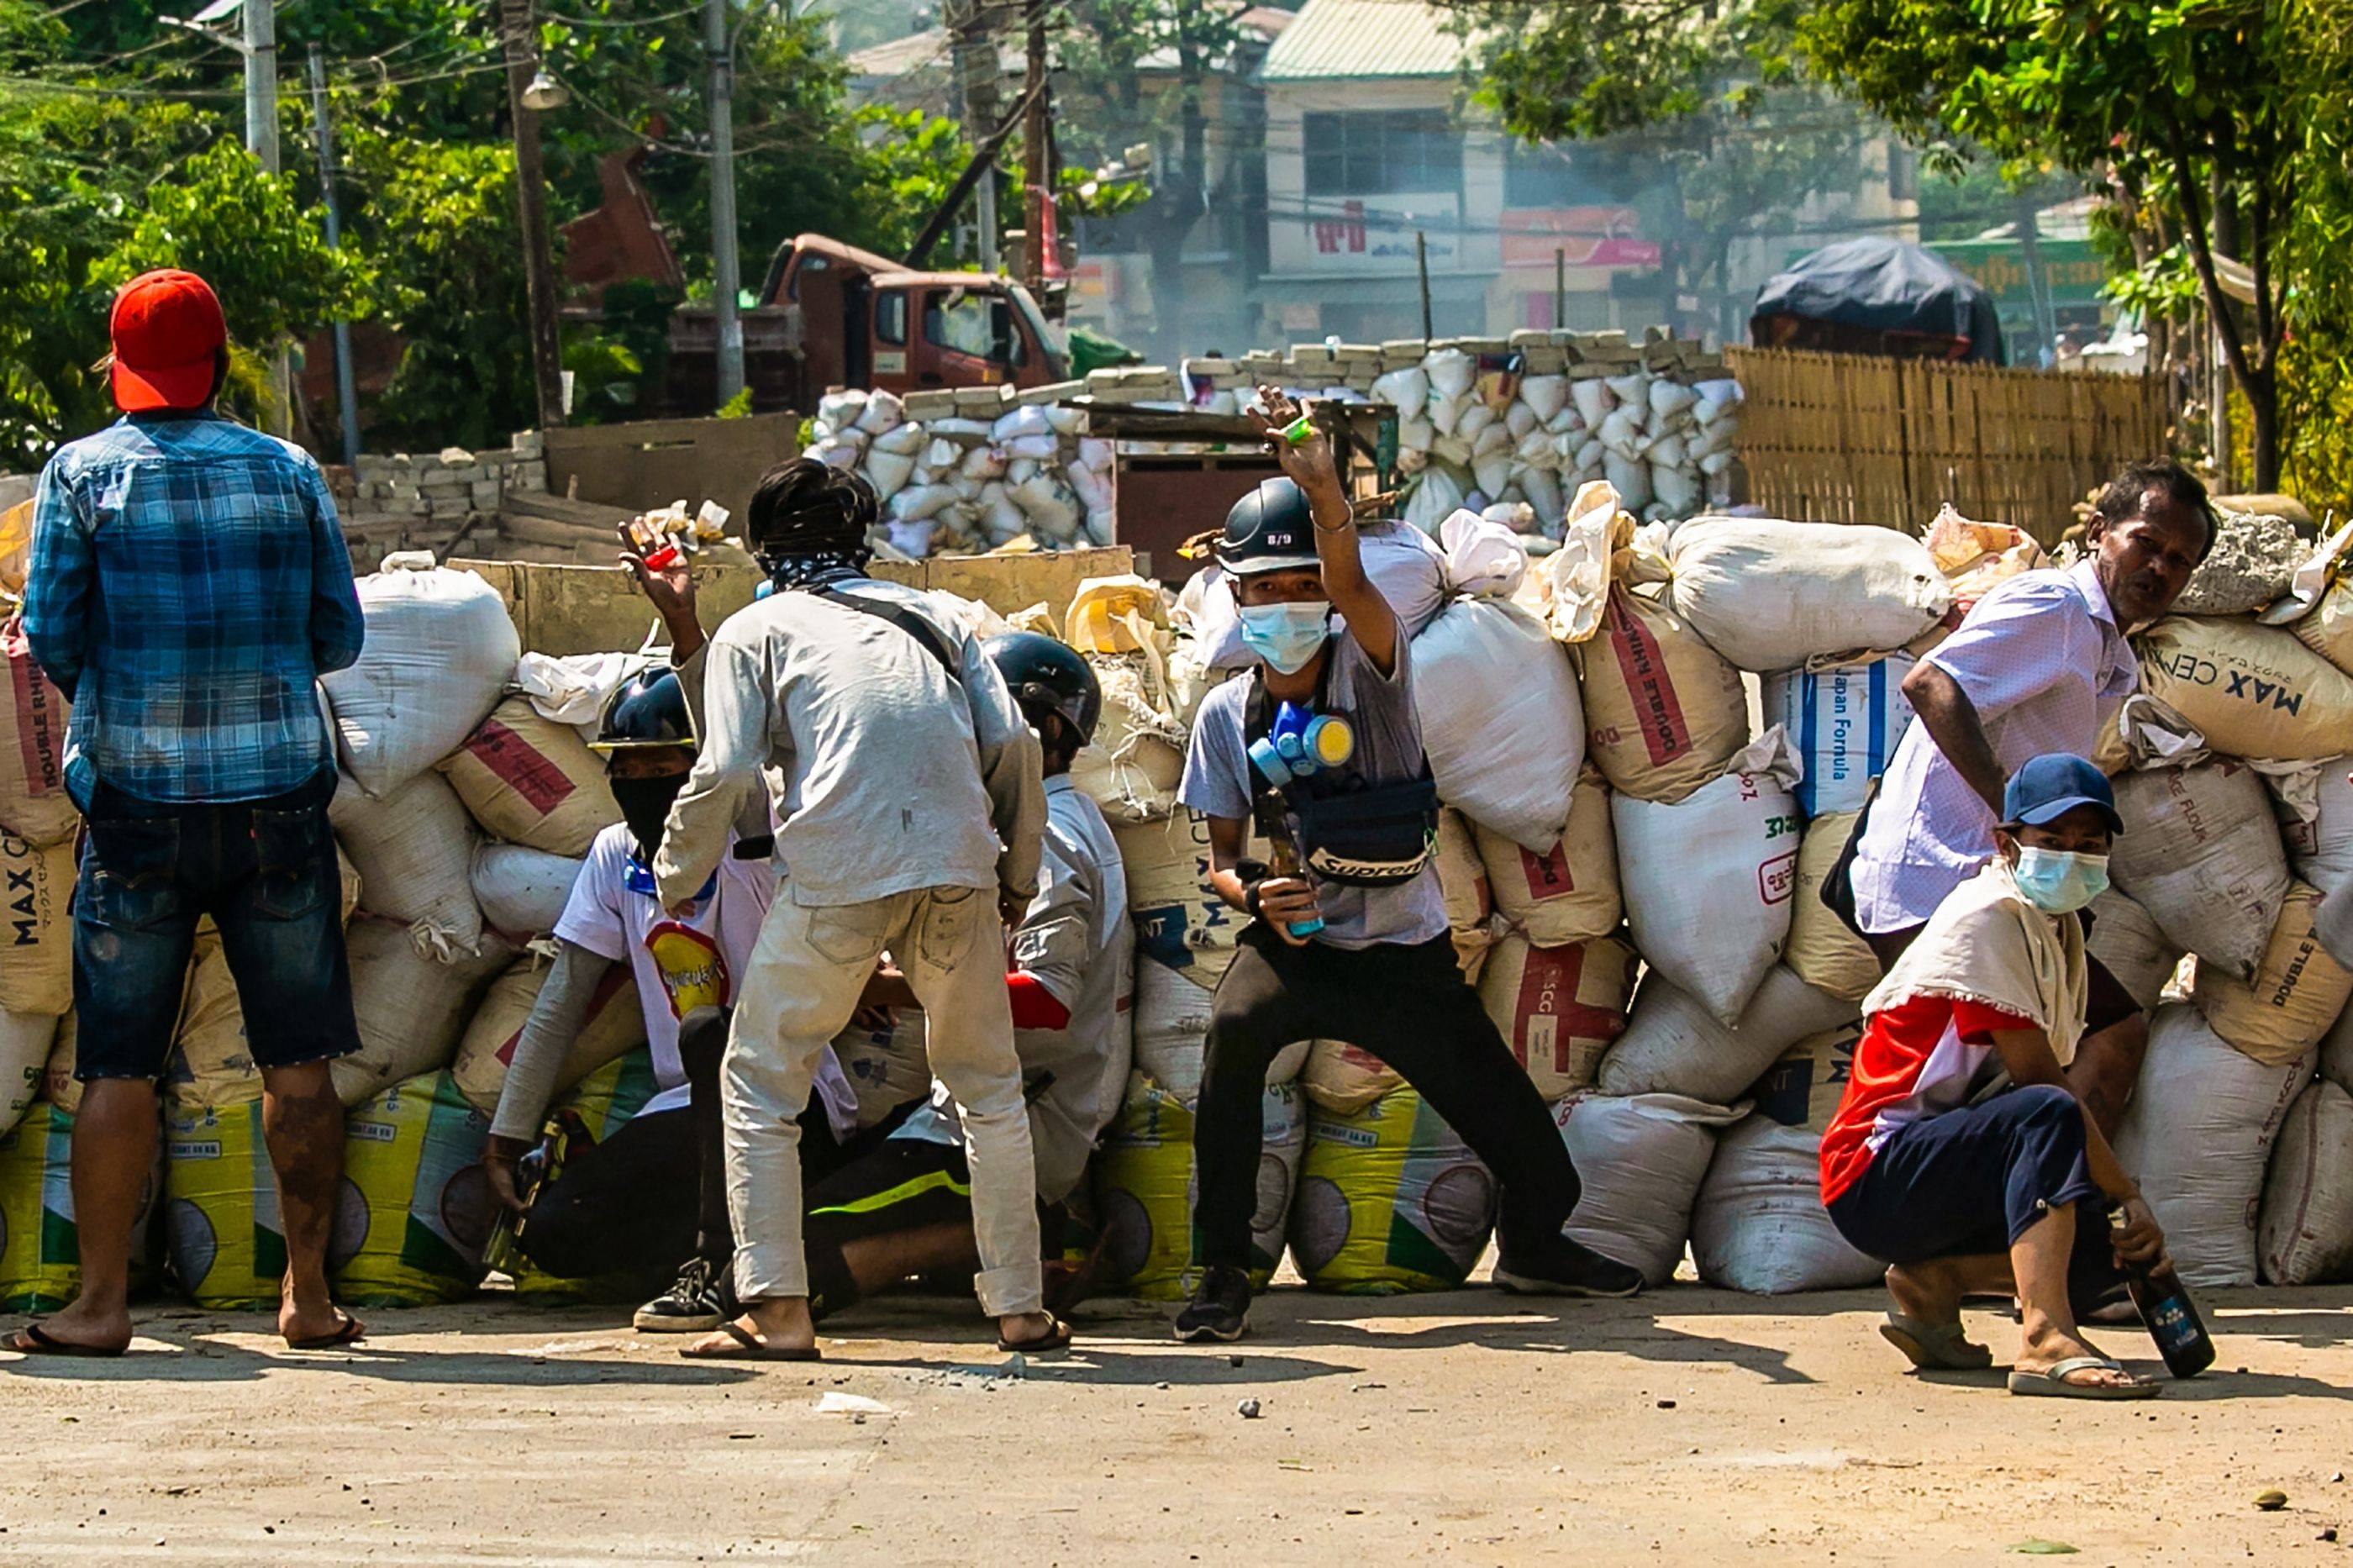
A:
(1310, 465)
(734, 745)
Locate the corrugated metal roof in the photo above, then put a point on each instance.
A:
(1339, 40)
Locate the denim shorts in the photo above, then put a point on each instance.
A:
(265, 871)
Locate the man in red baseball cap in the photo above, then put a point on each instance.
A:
(171, 343)
(188, 587)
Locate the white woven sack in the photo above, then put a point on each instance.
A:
(1759, 1224)
(2321, 849)
(2197, 1136)
(2129, 945)
(412, 1008)
(2305, 1232)
(521, 891)
(1709, 879)
(2201, 852)
(1500, 719)
(1672, 1047)
(1172, 1026)
(1641, 1161)
(1770, 595)
(439, 651)
(414, 850)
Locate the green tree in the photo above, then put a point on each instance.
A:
(2188, 106)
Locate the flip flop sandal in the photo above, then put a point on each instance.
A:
(1053, 1342)
(2052, 1382)
(749, 1346)
(1935, 1347)
(347, 1332)
(34, 1340)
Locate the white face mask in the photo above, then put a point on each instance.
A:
(2058, 882)
(1286, 635)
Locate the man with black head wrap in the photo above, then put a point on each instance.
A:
(907, 785)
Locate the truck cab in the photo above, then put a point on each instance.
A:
(863, 319)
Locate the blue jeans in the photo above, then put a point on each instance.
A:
(265, 871)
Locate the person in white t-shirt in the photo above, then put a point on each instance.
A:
(651, 1200)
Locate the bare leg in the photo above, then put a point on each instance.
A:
(1931, 1291)
(878, 1262)
(2048, 1334)
(303, 1120)
(113, 1159)
(781, 1322)
(2106, 1068)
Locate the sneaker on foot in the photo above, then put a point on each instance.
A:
(1571, 1269)
(700, 1301)
(1219, 1311)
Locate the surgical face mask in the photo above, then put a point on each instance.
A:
(2059, 880)
(644, 806)
(1286, 635)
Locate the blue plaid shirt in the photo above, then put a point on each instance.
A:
(188, 587)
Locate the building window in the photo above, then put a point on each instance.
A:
(1367, 153)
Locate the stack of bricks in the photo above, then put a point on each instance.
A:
(450, 485)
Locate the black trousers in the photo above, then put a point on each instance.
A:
(655, 1193)
(1408, 1005)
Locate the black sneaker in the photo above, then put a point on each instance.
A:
(1570, 1269)
(701, 1299)
(1219, 1311)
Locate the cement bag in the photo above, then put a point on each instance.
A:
(223, 1237)
(439, 651)
(2337, 1052)
(24, 1042)
(211, 1066)
(1845, 721)
(1389, 1200)
(40, 1250)
(1500, 718)
(1708, 881)
(1663, 711)
(2201, 854)
(1172, 1026)
(886, 1067)
(412, 1009)
(32, 714)
(1768, 594)
(1143, 1190)
(2321, 850)
(615, 1026)
(1759, 1224)
(531, 781)
(1180, 921)
(1343, 1079)
(2196, 1134)
(1463, 874)
(1641, 1161)
(1672, 1044)
(1822, 950)
(1804, 1088)
(2304, 1234)
(415, 1207)
(2252, 690)
(58, 1085)
(414, 850)
(36, 927)
(1136, 760)
(1570, 892)
(1558, 1008)
(521, 892)
(603, 1103)
(2297, 991)
(2129, 944)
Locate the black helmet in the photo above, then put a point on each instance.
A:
(647, 710)
(1269, 529)
(1047, 677)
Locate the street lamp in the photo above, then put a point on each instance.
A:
(545, 93)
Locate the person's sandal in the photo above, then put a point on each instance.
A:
(1053, 1342)
(1935, 1347)
(749, 1346)
(2052, 1382)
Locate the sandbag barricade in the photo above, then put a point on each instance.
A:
(1639, 1161)
(1180, 921)
(1759, 1224)
(412, 1009)
(2252, 690)
(1665, 712)
(1390, 1200)
(531, 781)
(1343, 1079)
(414, 850)
(2296, 992)
(2128, 942)
(1143, 1189)
(25, 1039)
(1822, 950)
(2304, 1234)
(223, 1236)
(615, 1026)
(1845, 722)
(36, 927)
(1675, 1046)
(1500, 719)
(439, 651)
(40, 1250)
(1569, 892)
(2201, 852)
(521, 892)
(1770, 595)
(34, 804)
(415, 1208)
(1558, 1008)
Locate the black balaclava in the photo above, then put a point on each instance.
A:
(644, 806)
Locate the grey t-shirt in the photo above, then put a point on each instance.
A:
(1217, 780)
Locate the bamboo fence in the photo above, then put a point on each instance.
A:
(1850, 439)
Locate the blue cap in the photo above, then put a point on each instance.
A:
(2050, 786)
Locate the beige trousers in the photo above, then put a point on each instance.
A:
(806, 971)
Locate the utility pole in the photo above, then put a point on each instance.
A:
(1036, 178)
(972, 43)
(1560, 287)
(726, 269)
(530, 207)
(346, 388)
(1421, 266)
(260, 52)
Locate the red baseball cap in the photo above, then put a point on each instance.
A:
(166, 329)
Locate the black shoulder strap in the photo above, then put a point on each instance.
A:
(906, 620)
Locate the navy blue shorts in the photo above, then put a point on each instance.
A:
(1971, 1181)
(265, 871)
